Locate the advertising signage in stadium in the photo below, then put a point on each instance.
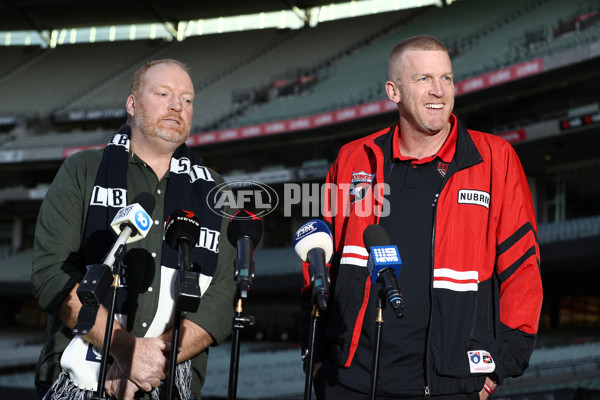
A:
(90, 115)
(579, 121)
(500, 76)
(295, 124)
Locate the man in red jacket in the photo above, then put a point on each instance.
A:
(457, 204)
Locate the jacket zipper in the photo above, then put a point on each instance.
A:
(428, 340)
(427, 362)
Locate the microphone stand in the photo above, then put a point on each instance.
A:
(244, 274)
(187, 298)
(117, 272)
(311, 340)
(319, 300)
(377, 348)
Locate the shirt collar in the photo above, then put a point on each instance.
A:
(445, 153)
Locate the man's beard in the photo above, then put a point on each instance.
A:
(151, 127)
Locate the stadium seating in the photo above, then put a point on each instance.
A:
(569, 230)
(55, 139)
(57, 76)
(346, 60)
(204, 55)
(481, 45)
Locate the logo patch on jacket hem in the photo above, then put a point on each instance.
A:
(477, 197)
(480, 361)
(360, 184)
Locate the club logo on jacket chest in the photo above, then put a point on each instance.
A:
(359, 186)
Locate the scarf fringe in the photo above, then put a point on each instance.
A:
(63, 387)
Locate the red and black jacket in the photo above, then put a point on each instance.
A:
(486, 286)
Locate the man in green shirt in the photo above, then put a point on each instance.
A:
(147, 155)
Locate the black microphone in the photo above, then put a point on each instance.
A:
(244, 232)
(384, 265)
(182, 232)
(313, 244)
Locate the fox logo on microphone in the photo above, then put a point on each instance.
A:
(306, 229)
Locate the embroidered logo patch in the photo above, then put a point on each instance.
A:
(480, 361)
(442, 168)
(359, 187)
(477, 197)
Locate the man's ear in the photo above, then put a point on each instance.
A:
(130, 105)
(393, 91)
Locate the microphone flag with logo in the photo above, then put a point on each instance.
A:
(314, 244)
(182, 232)
(384, 265)
(182, 225)
(131, 223)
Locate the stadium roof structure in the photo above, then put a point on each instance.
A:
(56, 14)
(48, 16)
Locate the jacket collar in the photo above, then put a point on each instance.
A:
(465, 154)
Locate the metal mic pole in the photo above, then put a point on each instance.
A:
(187, 298)
(244, 275)
(377, 348)
(309, 372)
(173, 355)
(118, 270)
(238, 324)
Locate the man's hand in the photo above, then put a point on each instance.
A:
(118, 386)
(142, 360)
(483, 394)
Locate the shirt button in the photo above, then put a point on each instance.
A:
(156, 222)
(154, 255)
(158, 191)
(144, 324)
(150, 289)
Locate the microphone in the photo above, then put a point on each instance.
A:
(132, 223)
(182, 232)
(384, 265)
(182, 229)
(313, 244)
(244, 232)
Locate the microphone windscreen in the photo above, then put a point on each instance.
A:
(311, 235)
(244, 223)
(375, 235)
(182, 225)
(146, 200)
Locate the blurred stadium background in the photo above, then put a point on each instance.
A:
(280, 86)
